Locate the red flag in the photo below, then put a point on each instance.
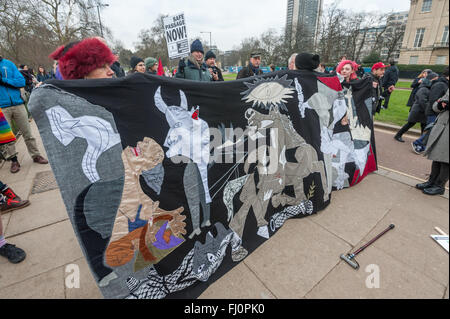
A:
(160, 68)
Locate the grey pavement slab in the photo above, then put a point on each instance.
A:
(410, 243)
(87, 288)
(47, 248)
(239, 283)
(354, 212)
(43, 211)
(48, 285)
(298, 256)
(5, 220)
(396, 280)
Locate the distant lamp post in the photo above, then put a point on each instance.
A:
(98, 12)
(210, 42)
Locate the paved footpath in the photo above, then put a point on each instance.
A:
(299, 261)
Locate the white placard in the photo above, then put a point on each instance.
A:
(441, 240)
(176, 36)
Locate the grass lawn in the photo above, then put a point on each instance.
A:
(230, 77)
(398, 112)
(404, 85)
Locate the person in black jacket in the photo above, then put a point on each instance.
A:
(415, 86)
(253, 67)
(390, 79)
(210, 60)
(375, 76)
(438, 88)
(417, 114)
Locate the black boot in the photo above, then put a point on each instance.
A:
(399, 138)
(424, 185)
(434, 190)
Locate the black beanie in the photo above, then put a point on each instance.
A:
(135, 61)
(307, 61)
(210, 55)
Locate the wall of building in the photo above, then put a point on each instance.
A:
(434, 23)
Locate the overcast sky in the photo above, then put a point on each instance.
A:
(230, 21)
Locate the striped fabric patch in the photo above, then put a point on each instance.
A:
(6, 135)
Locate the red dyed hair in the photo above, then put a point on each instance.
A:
(354, 66)
(77, 60)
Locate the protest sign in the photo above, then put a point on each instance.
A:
(176, 36)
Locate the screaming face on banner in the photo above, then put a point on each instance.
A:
(169, 184)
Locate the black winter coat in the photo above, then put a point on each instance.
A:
(390, 77)
(421, 102)
(376, 92)
(415, 86)
(247, 72)
(438, 90)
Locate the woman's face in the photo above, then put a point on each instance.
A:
(346, 71)
(41, 70)
(104, 72)
(140, 67)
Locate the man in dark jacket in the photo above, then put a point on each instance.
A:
(11, 80)
(390, 79)
(438, 88)
(195, 69)
(375, 76)
(252, 68)
(210, 60)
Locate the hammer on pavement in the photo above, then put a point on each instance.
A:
(350, 258)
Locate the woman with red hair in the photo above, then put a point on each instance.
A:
(87, 59)
(348, 70)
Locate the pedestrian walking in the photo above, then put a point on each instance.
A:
(253, 67)
(13, 108)
(438, 89)
(437, 150)
(195, 68)
(417, 114)
(415, 86)
(390, 79)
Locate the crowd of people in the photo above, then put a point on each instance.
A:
(92, 59)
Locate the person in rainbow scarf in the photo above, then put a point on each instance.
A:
(9, 201)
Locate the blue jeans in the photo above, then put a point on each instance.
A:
(419, 141)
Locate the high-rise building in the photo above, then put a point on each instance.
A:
(303, 16)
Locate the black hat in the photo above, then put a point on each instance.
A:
(255, 55)
(210, 54)
(307, 61)
(197, 46)
(135, 61)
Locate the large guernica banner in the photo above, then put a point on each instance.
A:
(170, 183)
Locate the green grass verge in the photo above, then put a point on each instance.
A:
(230, 77)
(403, 85)
(398, 112)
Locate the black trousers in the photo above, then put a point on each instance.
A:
(409, 125)
(387, 96)
(439, 173)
